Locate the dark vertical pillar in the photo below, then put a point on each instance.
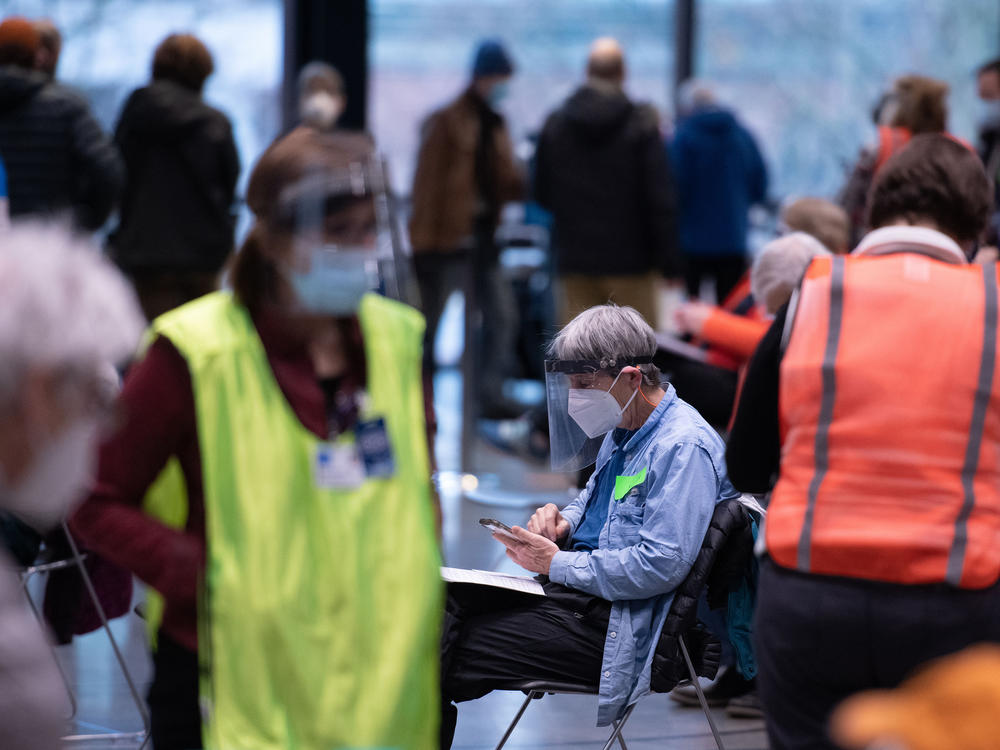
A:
(685, 29)
(334, 31)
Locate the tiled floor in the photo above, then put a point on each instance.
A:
(505, 488)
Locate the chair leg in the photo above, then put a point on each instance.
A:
(524, 707)
(618, 727)
(701, 694)
(73, 708)
(140, 704)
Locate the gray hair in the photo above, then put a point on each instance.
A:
(64, 307)
(779, 268)
(608, 333)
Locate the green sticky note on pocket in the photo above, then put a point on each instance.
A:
(624, 484)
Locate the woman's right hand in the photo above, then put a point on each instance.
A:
(548, 522)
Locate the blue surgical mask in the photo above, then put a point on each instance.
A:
(498, 93)
(336, 281)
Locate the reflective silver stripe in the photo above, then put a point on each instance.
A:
(821, 451)
(956, 558)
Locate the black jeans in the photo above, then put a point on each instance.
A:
(173, 697)
(820, 639)
(494, 639)
(725, 270)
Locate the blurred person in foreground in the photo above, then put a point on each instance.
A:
(322, 96)
(60, 164)
(914, 104)
(950, 704)
(615, 554)
(875, 405)
(271, 481)
(177, 216)
(466, 173)
(720, 174)
(730, 332)
(66, 318)
(601, 169)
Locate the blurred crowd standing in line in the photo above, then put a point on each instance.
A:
(261, 459)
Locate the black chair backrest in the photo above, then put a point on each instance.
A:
(725, 554)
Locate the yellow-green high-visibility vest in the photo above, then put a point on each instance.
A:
(319, 627)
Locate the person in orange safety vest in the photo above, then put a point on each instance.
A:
(875, 400)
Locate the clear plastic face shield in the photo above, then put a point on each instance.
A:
(346, 239)
(582, 410)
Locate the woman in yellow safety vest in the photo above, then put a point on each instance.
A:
(271, 481)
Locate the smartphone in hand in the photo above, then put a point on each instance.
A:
(496, 527)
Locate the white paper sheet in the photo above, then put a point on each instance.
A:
(524, 584)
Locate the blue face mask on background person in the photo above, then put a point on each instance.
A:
(989, 113)
(498, 93)
(336, 281)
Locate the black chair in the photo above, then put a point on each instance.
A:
(724, 556)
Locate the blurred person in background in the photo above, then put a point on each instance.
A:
(466, 173)
(271, 481)
(177, 216)
(988, 126)
(873, 414)
(49, 47)
(915, 104)
(601, 170)
(730, 332)
(66, 317)
(322, 97)
(720, 174)
(59, 162)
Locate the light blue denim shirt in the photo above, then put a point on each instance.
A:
(649, 541)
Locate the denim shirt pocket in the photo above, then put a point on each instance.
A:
(628, 513)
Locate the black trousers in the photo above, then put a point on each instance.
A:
(173, 697)
(494, 639)
(725, 270)
(820, 639)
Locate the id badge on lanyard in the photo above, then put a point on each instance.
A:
(347, 464)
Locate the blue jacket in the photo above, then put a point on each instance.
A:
(674, 473)
(719, 173)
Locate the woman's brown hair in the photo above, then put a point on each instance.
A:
(933, 178)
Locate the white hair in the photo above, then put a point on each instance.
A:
(62, 306)
(608, 333)
(779, 267)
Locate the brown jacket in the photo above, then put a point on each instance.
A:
(445, 195)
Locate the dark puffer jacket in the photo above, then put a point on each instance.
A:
(723, 560)
(182, 167)
(58, 160)
(601, 169)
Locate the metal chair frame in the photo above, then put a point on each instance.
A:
(538, 690)
(77, 560)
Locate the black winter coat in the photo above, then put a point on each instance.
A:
(58, 160)
(601, 169)
(181, 170)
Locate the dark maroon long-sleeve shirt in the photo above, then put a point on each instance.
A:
(159, 422)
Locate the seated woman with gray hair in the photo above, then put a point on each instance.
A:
(615, 554)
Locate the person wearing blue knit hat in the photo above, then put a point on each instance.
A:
(466, 173)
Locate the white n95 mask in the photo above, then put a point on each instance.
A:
(596, 411)
(58, 477)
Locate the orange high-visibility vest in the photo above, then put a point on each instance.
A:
(891, 141)
(890, 421)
